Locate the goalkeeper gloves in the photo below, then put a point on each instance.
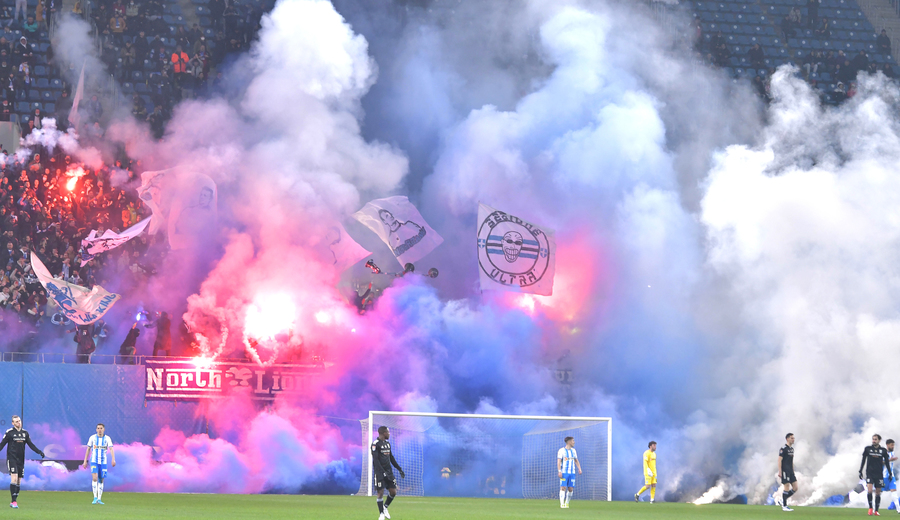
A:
(402, 475)
(649, 473)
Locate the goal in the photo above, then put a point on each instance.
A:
(472, 455)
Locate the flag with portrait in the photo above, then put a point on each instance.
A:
(400, 225)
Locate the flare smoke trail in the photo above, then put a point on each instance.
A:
(726, 271)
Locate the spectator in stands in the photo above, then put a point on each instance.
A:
(5, 114)
(138, 107)
(84, 338)
(157, 121)
(94, 109)
(22, 52)
(11, 87)
(840, 93)
(852, 90)
(129, 57)
(132, 11)
(721, 55)
(795, 17)
(824, 29)
(117, 26)
(860, 63)
(21, 5)
(760, 87)
(812, 13)
(216, 12)
(39, 15)
(787, 27)
(883, 43)
(180, 61)
(128, 346)
(810, 64)
(835, 61)
(141, 47)
(30, 26)
(888, 71)
(163, 341)
(756, 56)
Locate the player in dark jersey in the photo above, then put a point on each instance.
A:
(16, 437)
(875, 459)
(786, 471)
(382, 460)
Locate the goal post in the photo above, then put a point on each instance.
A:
(480, 455)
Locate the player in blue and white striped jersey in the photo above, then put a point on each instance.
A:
(566, 463)
(100, 450)
(890, 478)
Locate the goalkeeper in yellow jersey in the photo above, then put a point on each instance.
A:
(649, 473)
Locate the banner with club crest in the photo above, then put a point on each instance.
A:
(514, 255)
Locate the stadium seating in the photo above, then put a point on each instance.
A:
(744, 23)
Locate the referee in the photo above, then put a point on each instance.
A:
(17, 437)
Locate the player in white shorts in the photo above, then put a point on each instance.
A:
(566, 464)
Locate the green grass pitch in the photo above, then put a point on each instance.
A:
(126, 506)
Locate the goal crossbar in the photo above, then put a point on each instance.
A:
(373, 414)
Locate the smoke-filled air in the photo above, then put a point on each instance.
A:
(726, 269)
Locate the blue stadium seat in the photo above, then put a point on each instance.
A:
(50, 108)
(40, 70)
(169, 19)
(205, 21)
(14, 118)
(56, 84)
(43, 83)
(24, 118)
(35, 105)
(22, 106)
(138, 76)
(127, 88)
(34, 95)
(141, 88)
(47, 95)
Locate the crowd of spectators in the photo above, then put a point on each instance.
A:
(159, 63)
(839, 69)
(48, 204)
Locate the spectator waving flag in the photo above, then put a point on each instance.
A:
(94, 245)
(80, 304)
(400, 225)
(514, 255)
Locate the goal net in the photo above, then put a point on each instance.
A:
(511, 456)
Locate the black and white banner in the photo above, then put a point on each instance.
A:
(514, 255)
(400, 225)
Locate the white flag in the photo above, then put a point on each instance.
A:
(343, 251)
(80, 304)
(94, 245)
(74, 115)
(400, 225)
(514, 255)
